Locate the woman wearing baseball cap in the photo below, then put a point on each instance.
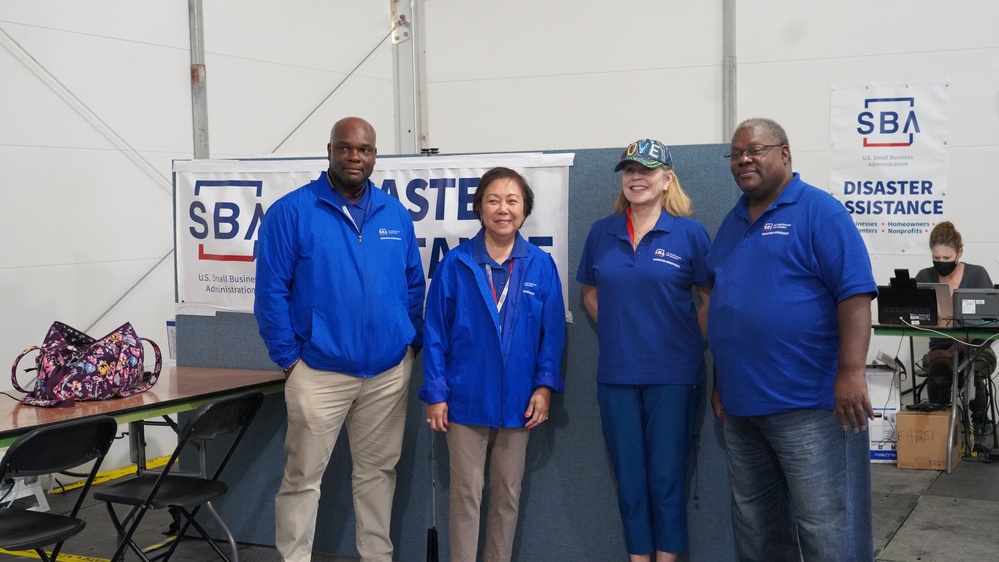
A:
(638, 267)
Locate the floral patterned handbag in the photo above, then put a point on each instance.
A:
(73, 366)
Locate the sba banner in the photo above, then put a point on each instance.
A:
(888, 161)
(219, 205)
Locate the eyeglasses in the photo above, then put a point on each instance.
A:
(753, 151)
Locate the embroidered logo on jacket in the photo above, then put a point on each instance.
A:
(388, 234)
(529, 287)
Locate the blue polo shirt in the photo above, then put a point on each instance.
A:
(357, 210)
(647, 327)
(772, 324)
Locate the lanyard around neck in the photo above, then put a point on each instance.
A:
(506, 287)
(631, 226)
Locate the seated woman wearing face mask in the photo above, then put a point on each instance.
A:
(946, 248)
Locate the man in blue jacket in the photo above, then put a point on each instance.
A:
(339, 303)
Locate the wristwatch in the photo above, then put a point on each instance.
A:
(290, 368)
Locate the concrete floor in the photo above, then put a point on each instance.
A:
(931, 516)
(98, 540)
(919, 516)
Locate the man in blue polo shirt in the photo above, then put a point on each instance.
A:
(789, 326)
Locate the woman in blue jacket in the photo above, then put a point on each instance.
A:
(494, 330)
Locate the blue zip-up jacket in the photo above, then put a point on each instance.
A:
(486, 377)
(339, 299)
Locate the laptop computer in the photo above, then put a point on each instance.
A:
(945, 303)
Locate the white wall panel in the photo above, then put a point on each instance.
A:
(973, 198)
(82, 206)
(253, 105)
(575, 111)
(152, 21)
(478, 40)
(130, 86)
(34, 115)
(319, 34)
(270, 64)
(526, 75)
(786, 30)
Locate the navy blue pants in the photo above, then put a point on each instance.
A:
(649, 430)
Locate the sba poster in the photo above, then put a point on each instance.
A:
(888, 161)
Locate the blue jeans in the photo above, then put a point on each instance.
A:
(649, 430)
(801, 488)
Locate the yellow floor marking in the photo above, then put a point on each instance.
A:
(62, 556)
(113, 474)
(101, 477)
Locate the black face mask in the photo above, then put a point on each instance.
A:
(944, 268)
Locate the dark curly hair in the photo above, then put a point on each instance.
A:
(944, 234)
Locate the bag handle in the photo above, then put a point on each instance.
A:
(149, 378)
(13, 368)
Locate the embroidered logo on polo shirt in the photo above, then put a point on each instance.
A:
(781, 228)
(669, 258)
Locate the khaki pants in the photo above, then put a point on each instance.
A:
(374, 410)
(468, 445)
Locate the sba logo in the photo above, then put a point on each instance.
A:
(888, 122)
(216, 222)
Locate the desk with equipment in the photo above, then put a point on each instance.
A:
(905, 309)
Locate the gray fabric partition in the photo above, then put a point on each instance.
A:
(569, 504)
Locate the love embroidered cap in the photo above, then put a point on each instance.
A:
(647, 152)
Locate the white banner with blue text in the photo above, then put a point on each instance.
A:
(889, 161)
(219, 204)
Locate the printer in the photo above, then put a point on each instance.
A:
(903, 302)
(976, 308)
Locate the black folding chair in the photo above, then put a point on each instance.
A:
(47, 450)
(184, 493)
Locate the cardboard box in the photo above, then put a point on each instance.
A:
(883, 388)
(923, 440)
